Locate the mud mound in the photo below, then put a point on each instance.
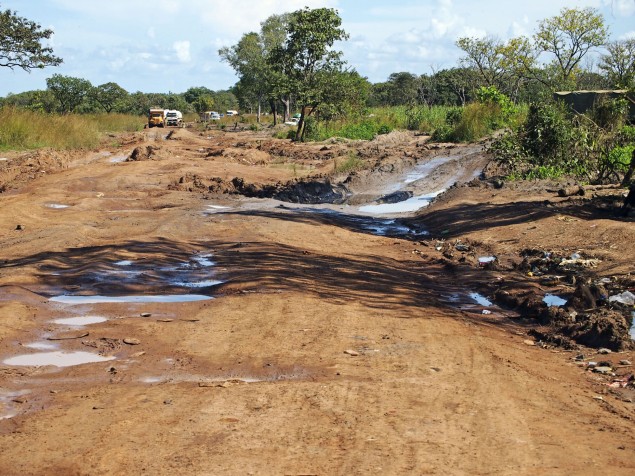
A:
(20, 170)
(311, 191)
(143, 153)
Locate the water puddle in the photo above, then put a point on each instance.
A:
(423, 170)
(389, 227)
(553, 300)
(41, 346)
(56, 206)
(410, 205)
(486, 259)
(148, 298)
(124, 262)
(203, 259)
(118, 159)
(199, 284)
(80, 321)
(480, 299)
(215, 209)
(57, 359)
(7, 404)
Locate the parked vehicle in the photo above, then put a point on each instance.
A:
(293, 121)
(173, 117)
(209, 116)
(231, 112)
(156, 117)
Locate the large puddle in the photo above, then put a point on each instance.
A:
(147, 298)
(410, 205)
(57, 359)
(80, 320)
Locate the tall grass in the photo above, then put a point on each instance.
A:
(22, 129)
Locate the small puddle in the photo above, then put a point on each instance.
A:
(117, 159)
(486, 259)
(203, 259)
(410, 205)
(198, 284)
(423, 170)
(56, 206)
(124, 262)
(554, 301)
(7, 406)
(80, 321)
(149, 298)
(57, 359)
(41, 346)
(480, 299)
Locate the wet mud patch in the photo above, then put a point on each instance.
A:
(128, 275)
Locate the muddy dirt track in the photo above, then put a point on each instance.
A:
(202, 321)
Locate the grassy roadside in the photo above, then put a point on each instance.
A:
(22, 129)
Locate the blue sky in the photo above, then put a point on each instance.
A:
(171, 45)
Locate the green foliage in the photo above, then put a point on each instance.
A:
(610, 113)
(359, 129)
(350, 164)
(69, 91)
(21, 43)
(550, 144)
(569, 36)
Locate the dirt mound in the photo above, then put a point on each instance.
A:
(312, 191)
(24, 168)
(143, 153)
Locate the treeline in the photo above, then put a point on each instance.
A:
(67, 94)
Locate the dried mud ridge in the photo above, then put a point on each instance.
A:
(589, 317)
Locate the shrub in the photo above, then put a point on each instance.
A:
(351, 163)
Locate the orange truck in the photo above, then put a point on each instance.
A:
(156, 117)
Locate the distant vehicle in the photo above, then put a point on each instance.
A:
(156, 117)
(231, 112)
(173, 117)
(209, 116)
(297, 116)
(293, 121)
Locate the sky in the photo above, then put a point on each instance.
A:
(172, 45)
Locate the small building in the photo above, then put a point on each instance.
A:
(582, 101)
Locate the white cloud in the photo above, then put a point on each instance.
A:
(182, 50)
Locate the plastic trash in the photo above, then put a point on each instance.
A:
(626, 297)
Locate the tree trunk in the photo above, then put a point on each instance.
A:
(272, 104)
(629, 173)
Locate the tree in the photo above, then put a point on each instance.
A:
(569, 37)
(21, 43)
(69, 91)
(108, 95)
(259, 79)
(203, 103)
(484, 56)
(619, 63)
(192, 94)
(307, 58)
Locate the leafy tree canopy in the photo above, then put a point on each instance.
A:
(21, 43)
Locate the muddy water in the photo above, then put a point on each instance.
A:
(56, 359)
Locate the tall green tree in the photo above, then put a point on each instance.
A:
(568, 37)
(619, 63)
(259, 78)
(307, 58)
(69, 91)
(108, 95)
(21, 43)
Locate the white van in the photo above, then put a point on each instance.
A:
(231, 112)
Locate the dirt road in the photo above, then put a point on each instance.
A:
(224, 332)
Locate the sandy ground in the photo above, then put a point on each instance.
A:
(326, 349)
